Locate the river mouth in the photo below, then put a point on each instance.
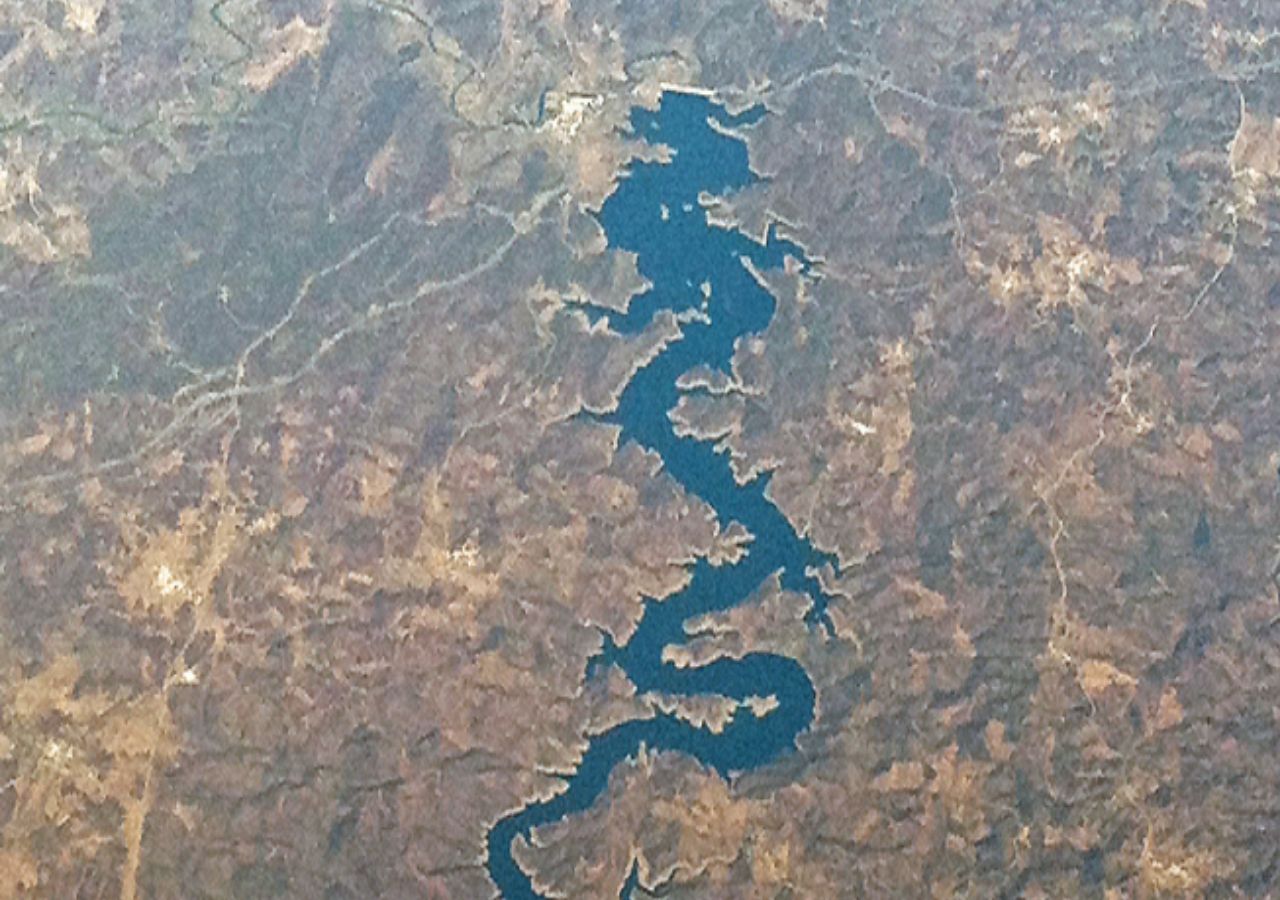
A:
(702, 273)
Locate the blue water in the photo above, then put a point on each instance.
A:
(655, 213)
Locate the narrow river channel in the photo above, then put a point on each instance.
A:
(655, 213)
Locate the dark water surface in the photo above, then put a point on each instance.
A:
(655, 213)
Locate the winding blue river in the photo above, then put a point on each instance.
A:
(655, 213)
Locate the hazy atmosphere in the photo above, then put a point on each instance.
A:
(622, 449)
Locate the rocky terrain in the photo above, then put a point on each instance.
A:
(303, 551)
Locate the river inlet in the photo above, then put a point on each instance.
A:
(655, 213)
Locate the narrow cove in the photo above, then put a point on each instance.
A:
(655, 213)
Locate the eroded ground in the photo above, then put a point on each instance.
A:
(304, 555)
